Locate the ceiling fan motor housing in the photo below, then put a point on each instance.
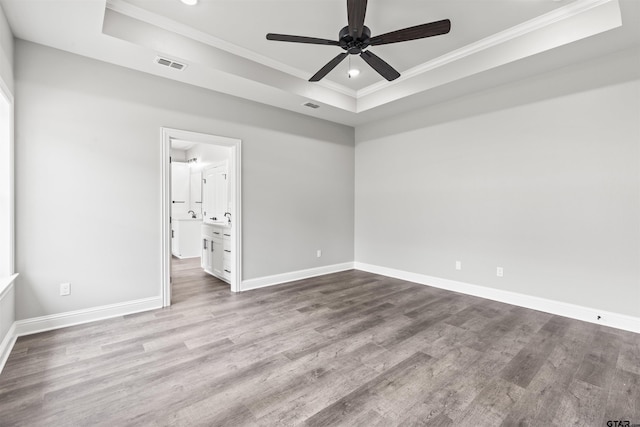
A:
(351, 45)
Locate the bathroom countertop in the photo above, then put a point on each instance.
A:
(223, 224)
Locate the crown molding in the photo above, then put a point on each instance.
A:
(143, 15)
(576, 8)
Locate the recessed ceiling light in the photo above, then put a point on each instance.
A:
(190, 2)
(353, 72)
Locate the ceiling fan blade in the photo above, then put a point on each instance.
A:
(381, 67)
(413, 33)
(301, 39)
(330, 66)
(356, 10)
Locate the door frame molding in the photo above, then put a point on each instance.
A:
(235, 173)
(6, 93)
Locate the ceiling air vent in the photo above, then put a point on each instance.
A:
(311, 105)
(170, 63)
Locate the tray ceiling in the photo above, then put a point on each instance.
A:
(223, 44)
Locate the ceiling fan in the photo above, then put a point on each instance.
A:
(356, 38)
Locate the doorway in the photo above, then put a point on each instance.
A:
(181, 138)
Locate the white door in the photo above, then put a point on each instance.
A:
(195, 193)
(179, 189)
(215, 193)
(208, 195)
(221, 189)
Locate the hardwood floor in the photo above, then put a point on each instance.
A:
(351, 348)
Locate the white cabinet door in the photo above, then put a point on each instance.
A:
(216, 251)
(185, 238)
(211, 263)
(179, 189)
(217, 257)
(175, 239)
(205, 259)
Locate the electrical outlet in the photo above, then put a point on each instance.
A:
(458, 265)
(65, 289)
(499, 272)
(319, 253)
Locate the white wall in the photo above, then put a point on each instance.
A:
(89, 215)
(207, 155)
(178, 155)
(540, 177)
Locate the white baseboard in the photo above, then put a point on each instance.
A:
(186, 257)
(276, 279)
(587, 314)
(72, 318)
(7, 345)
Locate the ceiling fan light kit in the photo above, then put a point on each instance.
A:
(355, 38)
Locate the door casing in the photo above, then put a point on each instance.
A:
(235, 173)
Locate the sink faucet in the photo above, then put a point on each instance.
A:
(228, 213)
(193, 214)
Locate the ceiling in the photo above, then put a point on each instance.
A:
(223, 44)
(181, 145)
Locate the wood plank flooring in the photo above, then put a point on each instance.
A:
(352, 349)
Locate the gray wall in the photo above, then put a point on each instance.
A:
(541, 177)
(6, 51)
(7, 298)
(88, 180)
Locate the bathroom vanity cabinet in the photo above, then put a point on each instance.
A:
(216, 250)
